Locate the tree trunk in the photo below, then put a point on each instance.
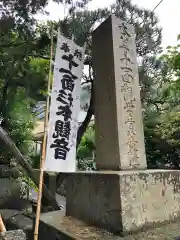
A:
(84, 125)
(23, 161)
(3, 104)
(4, 98)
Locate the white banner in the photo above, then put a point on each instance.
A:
(65, 107)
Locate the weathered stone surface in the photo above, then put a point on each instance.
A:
(6, 172)
(49, 227)
(15, 172)
(21, 206)
(15, 219)
(118, 116)
(49, 180)
(61, 190)
(10, 191)
(20, 221)
(67, 228)
(5, 161)
(61, 184)
(13, 235)
(55, 226)
(124, 201)
(24, 205)
(8, 213)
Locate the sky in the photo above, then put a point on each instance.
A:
(168, 13)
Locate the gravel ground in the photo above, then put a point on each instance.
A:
(13, 235)
(78, 229)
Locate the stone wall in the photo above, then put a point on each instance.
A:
(9, 185)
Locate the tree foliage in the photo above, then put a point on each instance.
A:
(86, 150)
(24, 64)
(161, 116)
(23, 78)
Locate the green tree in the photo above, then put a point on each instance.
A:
(21, 121)
(81, 23)
(23, 82)
(161, 116)
(86, 150)
(23, 41)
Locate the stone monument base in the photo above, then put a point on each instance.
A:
(124, 201)
(55, 226)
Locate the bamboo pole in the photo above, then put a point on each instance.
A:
(43, 155)
(2, 227)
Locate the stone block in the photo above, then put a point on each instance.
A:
(20, 221)
(10, 191)
(13, 235)
(49, 180)
(5, 161)
(124, 201)
(50, 227)
(9, 213)
(5, 171)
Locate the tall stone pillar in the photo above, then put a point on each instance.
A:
(118, 116)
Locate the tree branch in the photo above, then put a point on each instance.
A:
(39, 56)
(86, 121)
(12, 44)
(4, 97)
(9, 144)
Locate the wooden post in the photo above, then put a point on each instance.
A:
(43, 156)
(2, 227)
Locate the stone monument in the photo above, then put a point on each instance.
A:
(122, 196)
(118, 116)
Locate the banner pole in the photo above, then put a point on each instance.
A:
(43, 155)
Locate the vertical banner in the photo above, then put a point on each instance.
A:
(65, 107)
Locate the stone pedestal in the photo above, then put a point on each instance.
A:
(124, 201)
